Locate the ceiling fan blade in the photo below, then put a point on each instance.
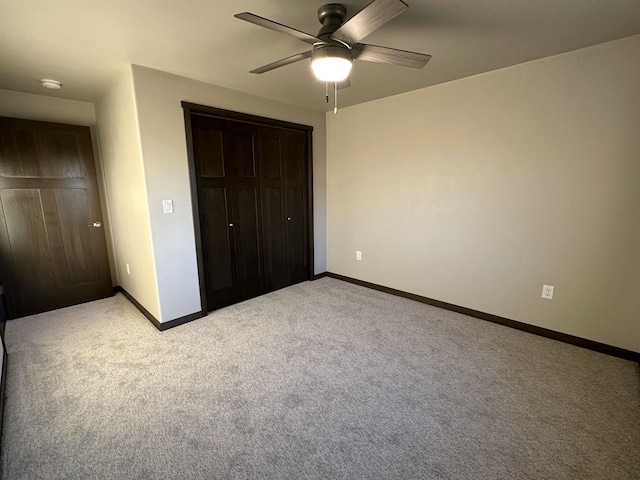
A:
(278, 27)
(281, 63)
(374, 53)
(370, 18)
(346, 83)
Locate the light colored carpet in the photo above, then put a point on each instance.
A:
(322, 380)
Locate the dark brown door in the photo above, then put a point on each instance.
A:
(241, 162)
(52, 245)
(273, 208)
(283, 157)
(214, 188)
(226, 163)
(297, 243)
(252, 193)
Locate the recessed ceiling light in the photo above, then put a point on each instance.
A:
(52, 84)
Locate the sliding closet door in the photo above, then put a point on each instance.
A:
(241, 159)
(297, 242)
(214, 200)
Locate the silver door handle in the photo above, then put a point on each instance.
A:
(231, 224)
(288, 218)
(95, 225)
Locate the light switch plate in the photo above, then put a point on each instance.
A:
(167, 206)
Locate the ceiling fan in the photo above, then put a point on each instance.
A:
(337, 43)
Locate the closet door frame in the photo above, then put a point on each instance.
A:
(192, 108)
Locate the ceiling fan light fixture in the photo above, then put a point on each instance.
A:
(331, 63)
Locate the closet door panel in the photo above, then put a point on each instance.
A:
(275, 270)
(208, 144)
(216, 247)
(271, 153)
(297, 234)
(241, 150)
(296, 205)
(246, 234)
(241, 164)
(296, 157)
(273, 208)
(214, 201)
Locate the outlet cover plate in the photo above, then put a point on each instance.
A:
(547, 291)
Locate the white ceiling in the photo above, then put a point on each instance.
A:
(83, 43)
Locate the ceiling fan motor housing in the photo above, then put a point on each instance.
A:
(331, 16)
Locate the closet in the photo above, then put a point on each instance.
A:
(252, 204)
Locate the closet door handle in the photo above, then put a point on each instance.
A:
(288, 218)
(231, 224)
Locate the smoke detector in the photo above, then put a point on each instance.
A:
(52, 84)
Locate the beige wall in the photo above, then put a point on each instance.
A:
(479, 191)
(124, 173)
(158, 100)
(60, 110)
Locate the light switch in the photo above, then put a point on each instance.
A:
(167, 206)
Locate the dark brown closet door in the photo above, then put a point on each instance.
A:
(283, 157)
(276, 271)
(214, 204)
(52, 246)
(241, 163)
(252, 194)
(297, 243)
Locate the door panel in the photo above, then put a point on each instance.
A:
(208, 144)
(296, 193)
(54, 236)
(297, 234)
(28, 240)
(275, 271)
(39, 154)
(215, 210)
(241, 152)
(246, 235)
(241, 163)
(51, 257)
(79, 246)
(296, 155)
(217, 254)
(276, 274)
(270, 153)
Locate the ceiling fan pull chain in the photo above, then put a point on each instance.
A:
(335, 105)
(326, 92)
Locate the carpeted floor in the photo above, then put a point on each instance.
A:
(322, 380)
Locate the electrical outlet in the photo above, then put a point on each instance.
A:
(128, 269)
(547, 292)
(358, 255)
(167, 206)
